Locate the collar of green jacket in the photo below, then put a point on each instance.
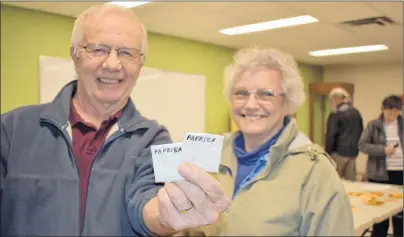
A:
(290, 142)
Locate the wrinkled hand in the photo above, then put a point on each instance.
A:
(389, 150)
(197, 201)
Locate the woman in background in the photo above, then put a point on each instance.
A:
(281, 183)
(382, 141)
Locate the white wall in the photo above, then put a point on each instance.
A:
(372, 84)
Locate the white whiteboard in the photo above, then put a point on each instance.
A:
(175, 100)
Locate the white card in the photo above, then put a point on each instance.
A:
(166, 159)
(205, 150)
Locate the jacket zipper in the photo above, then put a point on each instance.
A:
(249, 178)
(68, 141)
(69, 144)
(108, 141)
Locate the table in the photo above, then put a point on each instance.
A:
(365, 215)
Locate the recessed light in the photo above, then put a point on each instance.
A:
(269, 25)
(349, 50)
(128, 4)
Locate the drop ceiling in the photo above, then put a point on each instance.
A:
(201, 21)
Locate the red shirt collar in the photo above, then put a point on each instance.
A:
(76, 118)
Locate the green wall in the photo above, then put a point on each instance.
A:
(26, 34)
(310, 75)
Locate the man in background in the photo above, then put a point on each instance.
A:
(344, 128)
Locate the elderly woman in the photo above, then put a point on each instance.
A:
(383, 141)
(281, 183)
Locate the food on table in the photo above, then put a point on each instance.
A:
(396, 195)
(379, 194)
(354, 194)
(371, 199)
(353, 208)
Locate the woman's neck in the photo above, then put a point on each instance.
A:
(390, 122)
(253, 142)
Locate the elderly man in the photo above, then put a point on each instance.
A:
(344, 128)
(81, 165)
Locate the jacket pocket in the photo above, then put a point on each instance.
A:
(376, 167)
(274, 209)
(34, 205)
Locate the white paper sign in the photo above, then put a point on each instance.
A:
(166, 159)
(204, 149)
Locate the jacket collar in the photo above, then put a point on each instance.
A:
(343, 106)
(379, 126)
(58, 110)
(290, 141)
(379, 122)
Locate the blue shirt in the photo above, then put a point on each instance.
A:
(249, 164)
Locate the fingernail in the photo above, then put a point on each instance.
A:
(183, 169)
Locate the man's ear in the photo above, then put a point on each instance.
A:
(142, 59)
(72, 52)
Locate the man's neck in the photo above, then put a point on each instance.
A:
(95, 113)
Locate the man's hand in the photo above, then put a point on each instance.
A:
(389, 150)
(197, 201)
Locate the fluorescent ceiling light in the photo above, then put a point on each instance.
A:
(269, 25)
(339, 51)
(128, 4)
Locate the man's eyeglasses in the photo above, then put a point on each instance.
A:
(101, 51)
(263, 96)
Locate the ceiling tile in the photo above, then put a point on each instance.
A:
(211, 5)
(29, 5)
(393, 10)
(71, 8)
(375, 34)
(335, 12)
(253, 12)
(322, 35)
(174, 15)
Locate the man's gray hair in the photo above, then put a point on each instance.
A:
(339, 92)
(78, 32)
(255, 59)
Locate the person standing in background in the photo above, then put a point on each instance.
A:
(382, 141)
(344, 128)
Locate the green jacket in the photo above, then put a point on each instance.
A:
(299, 193)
